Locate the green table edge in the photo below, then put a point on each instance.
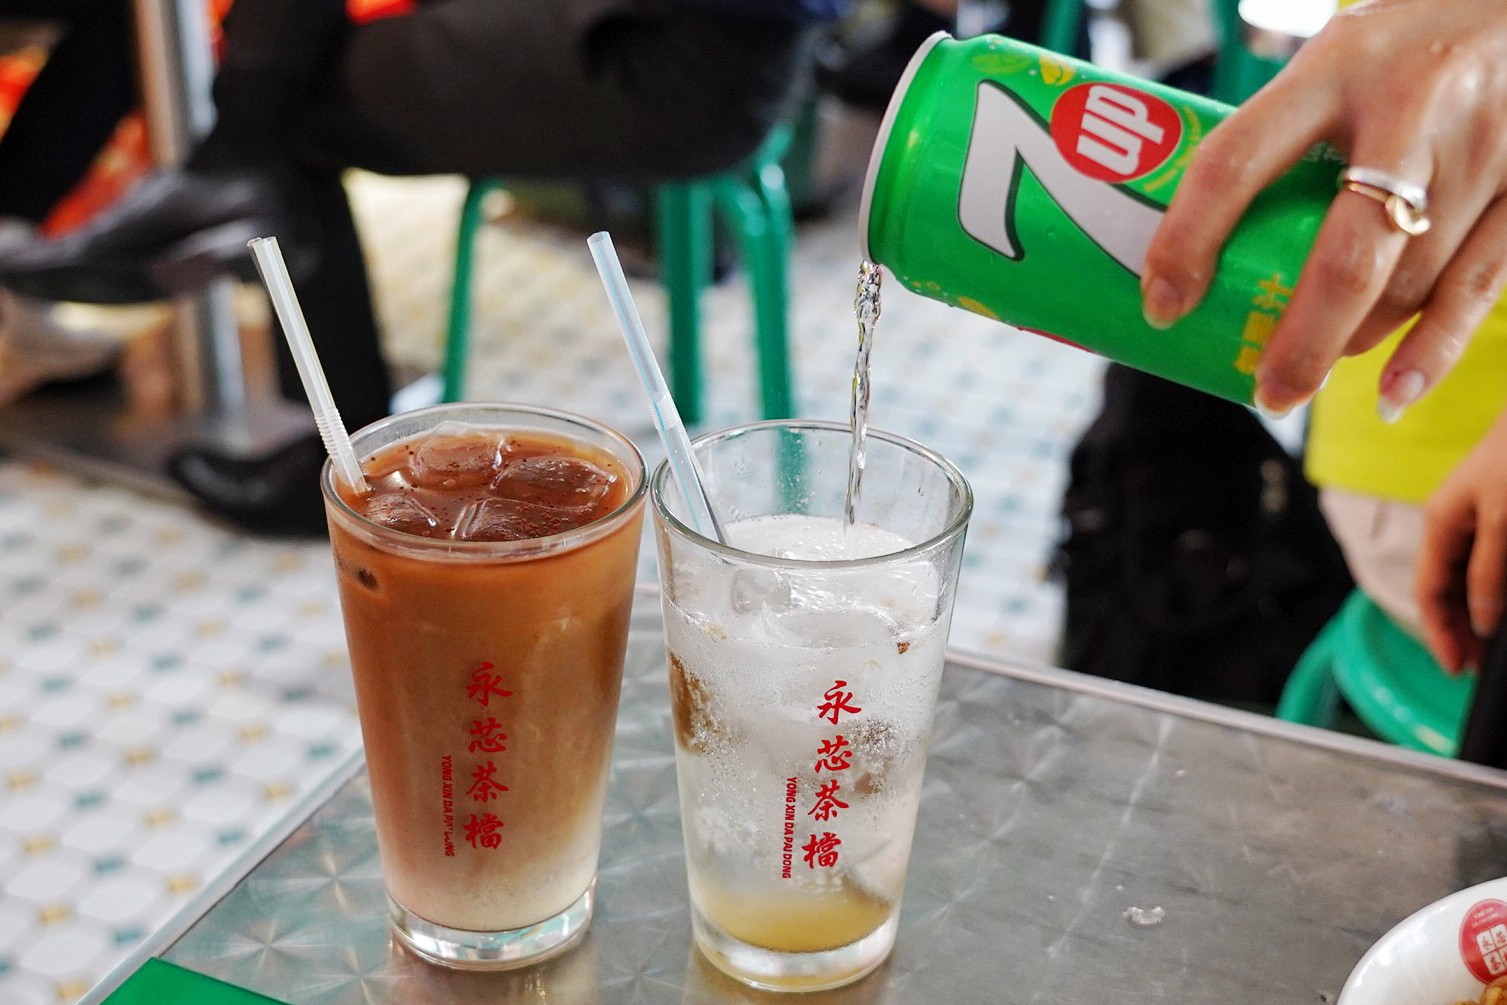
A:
(158, 982)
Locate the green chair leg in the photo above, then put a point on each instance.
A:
(755, 203)
(1238, 72)
(799, 160)
(759, 209)
(458, 328)
(1061, 24)
(684, 224)
(770, 272)
(774, 297)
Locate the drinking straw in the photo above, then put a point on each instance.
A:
(274, 272)
(666, 416)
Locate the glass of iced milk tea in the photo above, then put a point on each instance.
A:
(804, 660)
(486, 582)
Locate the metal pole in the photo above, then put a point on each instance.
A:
(177, 71)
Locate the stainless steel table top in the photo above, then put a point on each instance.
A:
(1062, 817)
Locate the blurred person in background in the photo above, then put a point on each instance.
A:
(1378, 471)
(88, 74)
(633, 91)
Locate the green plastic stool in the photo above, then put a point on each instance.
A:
(1060, 23)
(754, 203)
(1238, 72)
(1388, 678)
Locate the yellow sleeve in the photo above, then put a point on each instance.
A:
(1349, 447)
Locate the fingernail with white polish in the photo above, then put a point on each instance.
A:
(1483, 618)
(1264, 393)
(1161, 303)
(1273, 414)
(1402, 392)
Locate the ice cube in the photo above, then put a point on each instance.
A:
(401, 511)
(1143, 918)
(564, 483)
(393, 481)
(511, 520)
(827, 629)
(755, 589)
(456, 454)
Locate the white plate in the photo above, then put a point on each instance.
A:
(1442, 954)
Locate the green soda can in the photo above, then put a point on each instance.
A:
(1025, 186)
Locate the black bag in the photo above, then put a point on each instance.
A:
(1194, 555)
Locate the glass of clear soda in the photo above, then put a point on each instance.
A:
(805, 652)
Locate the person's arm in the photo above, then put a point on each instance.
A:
(1461, 580)
(1413, 88)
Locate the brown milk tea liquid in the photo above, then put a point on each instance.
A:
(488, 675)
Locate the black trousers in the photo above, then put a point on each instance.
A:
(634, 91)
(70, 110)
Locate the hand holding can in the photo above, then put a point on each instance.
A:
(1026, 186)
(1413, 96)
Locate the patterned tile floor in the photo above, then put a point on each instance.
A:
(169, 688)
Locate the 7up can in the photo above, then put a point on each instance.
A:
(1025, 186)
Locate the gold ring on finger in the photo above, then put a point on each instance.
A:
(1406, 203)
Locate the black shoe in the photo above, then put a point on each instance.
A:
(276, 495)
(170, 234)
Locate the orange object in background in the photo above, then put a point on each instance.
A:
(17, 70)
(369, 10)
(123, 160)
(127, 157)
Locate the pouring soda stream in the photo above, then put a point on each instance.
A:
(866, 308)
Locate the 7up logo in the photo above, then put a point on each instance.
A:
(1113, 132)
(1099, 135)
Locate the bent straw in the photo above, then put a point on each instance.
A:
(274, 271)
(666, 416)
